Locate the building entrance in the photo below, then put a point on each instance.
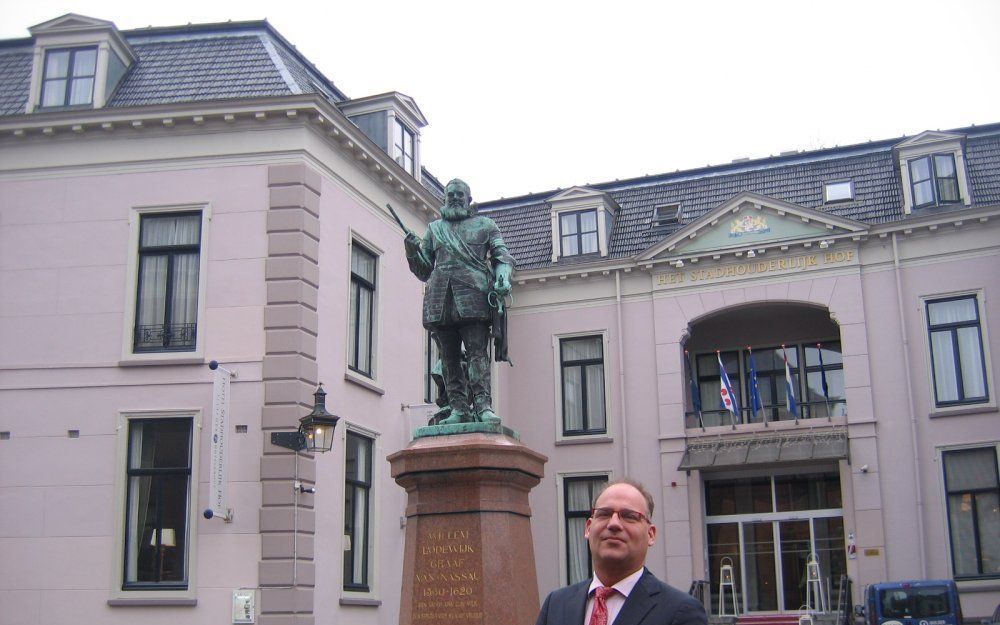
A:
(769, 527)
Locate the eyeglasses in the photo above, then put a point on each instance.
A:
(626, 515)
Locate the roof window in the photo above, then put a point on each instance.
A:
(666, 214)
(840, 191)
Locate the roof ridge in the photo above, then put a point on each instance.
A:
(279, 64)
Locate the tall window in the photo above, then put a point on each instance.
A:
(69, 77)
(357, 515)
(973, 491)
(934, 180)
(578, 233)
(957, 358)
(166, 316)
(824, 392)
(578, 497)
(158, 492)
(362, 312)
(582, 364)
(402, 145)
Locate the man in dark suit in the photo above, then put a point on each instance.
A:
(622, 591)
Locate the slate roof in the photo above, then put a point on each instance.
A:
(797, 178)
(15, 74)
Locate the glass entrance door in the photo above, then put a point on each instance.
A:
(795, 550)
(758, 555)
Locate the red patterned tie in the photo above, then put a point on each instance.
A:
(600, 614)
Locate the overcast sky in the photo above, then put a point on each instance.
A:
(530, 96)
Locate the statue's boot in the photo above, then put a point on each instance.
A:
(456, 416)
(488, 416)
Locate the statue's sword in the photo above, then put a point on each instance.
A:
(398, 220)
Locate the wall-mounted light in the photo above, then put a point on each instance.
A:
(824, 244)
(315, 433)
(679, 263)
(751, 254)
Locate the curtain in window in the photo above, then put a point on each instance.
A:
(595, 396)
(82, 86)
(573, 398)
(184, 298)
(588, 225)
(141, 527)
(969, 350)
(152, 290)
(579, 495)
(973, 470)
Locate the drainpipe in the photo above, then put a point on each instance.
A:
(621, 370)
(909, 405)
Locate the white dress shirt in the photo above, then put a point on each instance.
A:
(615, 601)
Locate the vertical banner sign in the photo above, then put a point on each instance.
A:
(220, 450)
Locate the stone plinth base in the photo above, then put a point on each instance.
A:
(469, 557)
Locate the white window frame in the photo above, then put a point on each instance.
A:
(129, 357)
(661, 219)
(951, 146)
(561, 511)
(942, 411)
(605, 218)
(373, 382)
(187, 596)
(557, 369)
(828, 186)
(985, 583)
(374, 516)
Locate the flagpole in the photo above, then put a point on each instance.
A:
(756, 404)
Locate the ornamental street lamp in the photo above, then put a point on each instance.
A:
(315, 433)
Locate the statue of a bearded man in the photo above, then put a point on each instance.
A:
(467, 268)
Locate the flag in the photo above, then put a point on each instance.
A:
(789, 387)
(695, 393)
(729, 401)
(822, 373)
(756, 405)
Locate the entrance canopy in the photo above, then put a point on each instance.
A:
(764, 450)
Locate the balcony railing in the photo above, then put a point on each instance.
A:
(177, 337)
(770, 414)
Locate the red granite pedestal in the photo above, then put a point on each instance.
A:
(468, 558)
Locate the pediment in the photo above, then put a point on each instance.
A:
(399, 102)
(929, 137)
(70, 22)
(582, 197)
(749, 221)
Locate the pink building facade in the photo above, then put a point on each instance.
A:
(876, 288)
(146, 230)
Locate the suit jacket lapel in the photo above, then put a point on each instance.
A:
(640, 602)
(578, 602)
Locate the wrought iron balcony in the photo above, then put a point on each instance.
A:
(176, 337)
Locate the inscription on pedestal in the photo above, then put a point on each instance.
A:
(448, 584)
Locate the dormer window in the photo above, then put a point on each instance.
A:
(578, 233)
(932, 169)
(666, 214)
(393, 122)
(402, 145)
(934, 180)
(69, 77)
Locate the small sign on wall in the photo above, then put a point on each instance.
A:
(244, 605)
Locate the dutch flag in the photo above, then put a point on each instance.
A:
(793, 407)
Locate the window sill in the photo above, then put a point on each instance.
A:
(959, 411)
(360, 601)
(978, 585)
(584, 440)
(161, 359)
(363, 382)
(147, 601)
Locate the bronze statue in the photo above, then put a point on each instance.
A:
(467, 268)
